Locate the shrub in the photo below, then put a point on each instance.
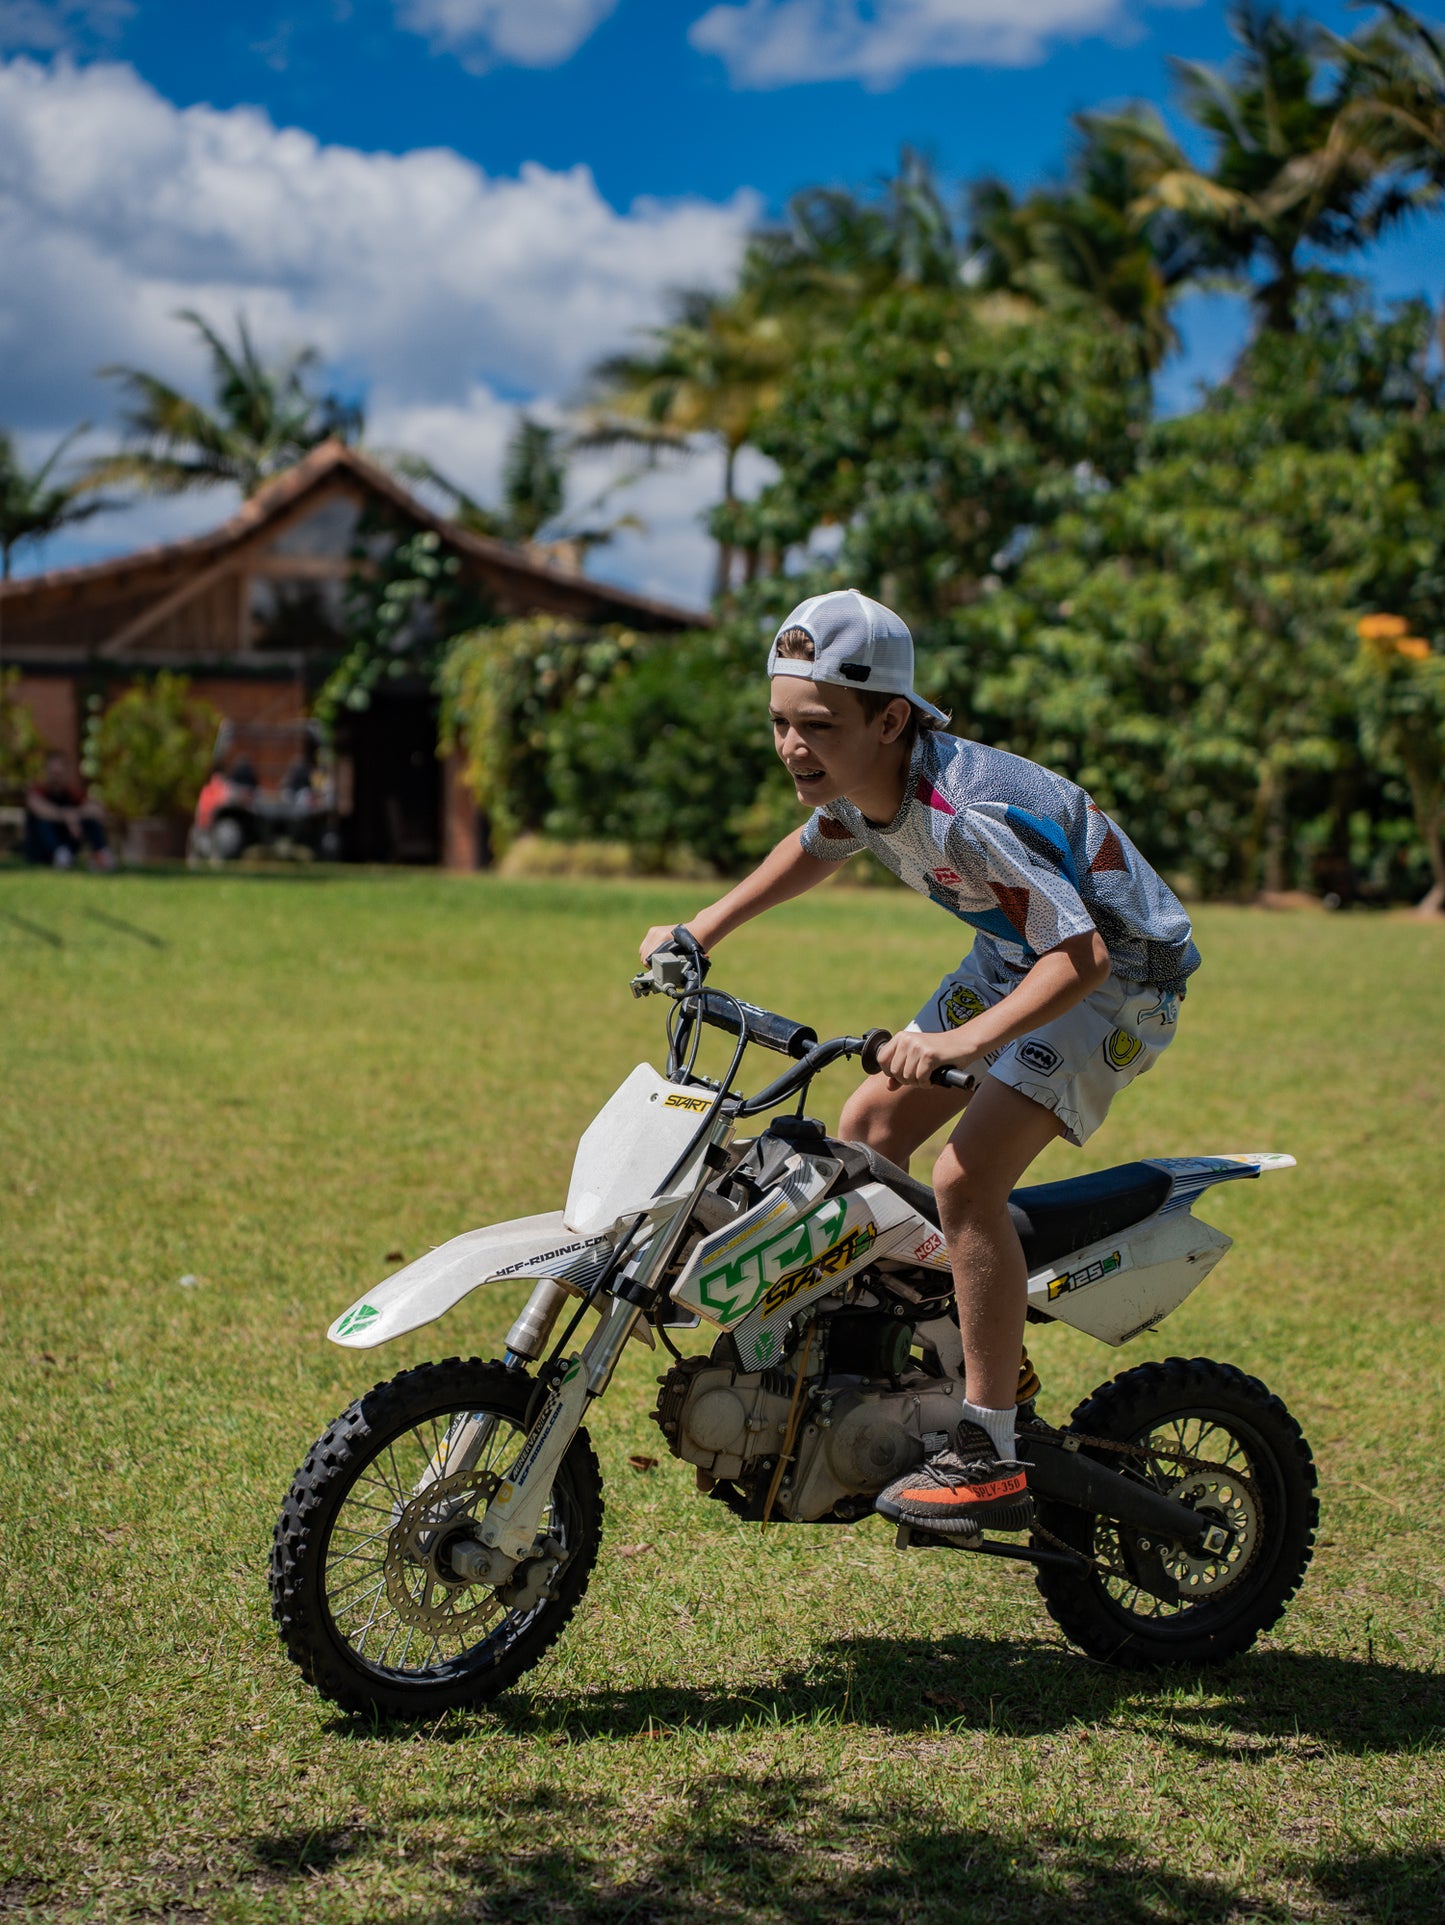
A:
(153, 747)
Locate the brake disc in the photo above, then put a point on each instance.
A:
(423, 1589)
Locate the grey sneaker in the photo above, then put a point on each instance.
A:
(961, 1490)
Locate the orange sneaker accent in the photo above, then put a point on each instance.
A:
(969, 1493)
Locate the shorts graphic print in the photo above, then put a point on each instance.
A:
(1075, 1065)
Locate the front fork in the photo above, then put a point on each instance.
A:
(509, 1529)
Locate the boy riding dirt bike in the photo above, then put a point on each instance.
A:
(1070, 991)
(863, 1331)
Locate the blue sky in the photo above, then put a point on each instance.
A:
(465, 202)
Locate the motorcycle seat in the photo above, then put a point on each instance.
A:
(1052, 1219)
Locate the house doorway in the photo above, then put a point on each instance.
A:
(396, 780)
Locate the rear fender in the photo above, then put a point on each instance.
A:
(530, 1246)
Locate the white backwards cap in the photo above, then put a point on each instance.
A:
(858, 644)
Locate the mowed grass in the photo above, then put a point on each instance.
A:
(273, 1086)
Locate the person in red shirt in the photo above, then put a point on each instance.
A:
(61, 819)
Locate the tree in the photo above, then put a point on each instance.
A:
(712, 371)
(1288, 172)
(263, 418)
(1399, 681)
(934, 437)
(1095, 240)
(34, 504)
(1181, 643)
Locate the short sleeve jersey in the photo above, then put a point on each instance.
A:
(1023, 855)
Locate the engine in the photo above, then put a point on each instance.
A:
(854, 1435)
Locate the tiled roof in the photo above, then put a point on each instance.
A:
(284, 491)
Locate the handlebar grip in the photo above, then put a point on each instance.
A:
(772, 1032)
(953, 1079)
(872, 1043)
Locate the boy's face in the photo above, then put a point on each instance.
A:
(828, 743)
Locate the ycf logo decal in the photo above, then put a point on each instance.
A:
(696, 1103)
(1091, 1273)
(961, 1005)
(357, 1319)
(1121, 1050)
(950, 878)
(1040, 1056)
(842, 1255)
(737, 1286)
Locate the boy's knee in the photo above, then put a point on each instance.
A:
(866, 1117)
(963, 1190)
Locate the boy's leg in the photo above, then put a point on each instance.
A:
(896, 1121)
(977, 1480)
(997, 1139)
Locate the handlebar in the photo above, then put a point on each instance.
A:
(677, 969)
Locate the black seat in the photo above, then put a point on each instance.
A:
(1052, 1219)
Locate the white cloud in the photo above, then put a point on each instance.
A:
(777, 43)
(435, 286)
(520, 33)
(54, 26)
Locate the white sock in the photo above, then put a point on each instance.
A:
(998, 1423)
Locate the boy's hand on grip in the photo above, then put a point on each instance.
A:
(913, 1057)
(655, 939)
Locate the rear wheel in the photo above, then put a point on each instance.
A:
(1149, 1602)
(367, 1602)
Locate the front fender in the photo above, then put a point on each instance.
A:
(529, 1246)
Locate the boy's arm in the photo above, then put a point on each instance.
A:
(1057, 983)
(786, 872)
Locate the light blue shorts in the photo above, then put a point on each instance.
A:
(1075, 1065)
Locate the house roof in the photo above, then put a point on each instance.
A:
(281, 499)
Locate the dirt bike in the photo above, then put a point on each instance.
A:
(442, 1530)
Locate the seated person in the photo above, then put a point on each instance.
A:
(60, 819)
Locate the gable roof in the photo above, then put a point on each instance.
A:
(523, 576)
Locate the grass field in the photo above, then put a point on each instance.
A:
(225, 1107)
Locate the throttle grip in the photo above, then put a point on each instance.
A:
(953, 1079)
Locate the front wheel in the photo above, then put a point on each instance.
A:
(1146, 1602)
(367, 1603)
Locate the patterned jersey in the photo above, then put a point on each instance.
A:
(1023, 855)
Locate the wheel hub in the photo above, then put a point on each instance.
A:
(1230, 1503)
(421, 1585)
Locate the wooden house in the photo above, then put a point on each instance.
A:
(253, 613)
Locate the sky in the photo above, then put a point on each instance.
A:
(465, 203)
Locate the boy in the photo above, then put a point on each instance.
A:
(1070, 991)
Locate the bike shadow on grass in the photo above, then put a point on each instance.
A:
(733, 1847)
(1251, 1708)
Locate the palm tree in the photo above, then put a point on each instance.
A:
(1398, 107)
(263, 419)
(713, 370)
(1285, 176)
(1091, 239)
(836, 250)
(534, 490)
(33, 504)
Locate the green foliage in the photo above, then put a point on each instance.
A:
(263, 418)
(503, 690)
(1399, 687)
(671, 753)
(22, 753)
(1181, 644)
(34, 504)
(152, 748)
(932, 432)
(406, 600)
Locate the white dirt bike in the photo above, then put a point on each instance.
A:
(442, 1530)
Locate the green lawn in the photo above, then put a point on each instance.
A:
(293, 1080)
